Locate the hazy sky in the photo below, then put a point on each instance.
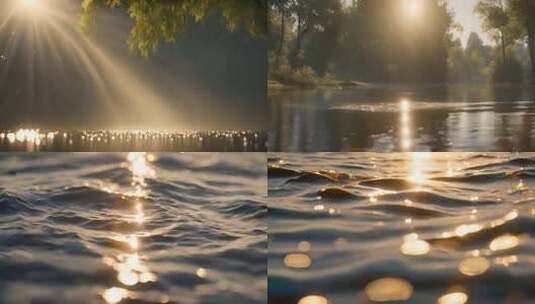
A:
(464, 15)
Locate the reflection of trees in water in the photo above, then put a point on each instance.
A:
(488, 118)
(299, 128)
(515, 132)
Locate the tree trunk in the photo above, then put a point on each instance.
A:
(282, 38)
(531, 45)
(503, 34)
(299, 44)
(503, 46)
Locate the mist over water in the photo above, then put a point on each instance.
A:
(53, 76)
(132, 228)
(412, 228)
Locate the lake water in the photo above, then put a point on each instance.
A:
(132, 228)
(404, 118)
(446, 228)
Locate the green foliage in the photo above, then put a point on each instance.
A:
(302, 76)
(323, 40)
(456, 62)
(524, 12)
(508, 71)
(162, 20)
(371, 40)
(469, 65)
(509, 22)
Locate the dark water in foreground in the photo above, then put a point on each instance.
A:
(132, 228)
(446, 228)
(382, 119)
(34, 140)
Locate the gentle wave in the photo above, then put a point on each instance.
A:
(427, 227)
(132, 228)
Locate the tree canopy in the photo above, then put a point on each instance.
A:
(510, 22)
(371, 40)
(159, 21)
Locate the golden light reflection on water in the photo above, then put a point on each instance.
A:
(463, 214)
(506, 260)
(414, 246)
(504, 242)
(297, 260)
(115, 295)
(405, 125)
(141, 169)
(304, 246)
(419, 163)
(313, 299)
(202, 273)
(131, 266)
(474, 266)
(453, 298)
(507, 218)
(466, 229)
(389, 289)
(139, 216)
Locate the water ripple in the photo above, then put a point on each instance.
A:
(415, 227)
(136, 228)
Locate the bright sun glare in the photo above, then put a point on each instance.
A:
(28, 2)
(413, 7)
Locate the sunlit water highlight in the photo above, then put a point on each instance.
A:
(35, 140)
(401, 228)
(132, 228)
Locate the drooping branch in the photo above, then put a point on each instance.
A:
(157, 21)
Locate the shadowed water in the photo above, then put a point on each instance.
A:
(404, 118)
(444, 228)
(132, 228)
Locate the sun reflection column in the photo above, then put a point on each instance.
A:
(130, 265)
(412, 245)
(405, 125)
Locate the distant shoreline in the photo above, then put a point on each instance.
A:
(276, 85)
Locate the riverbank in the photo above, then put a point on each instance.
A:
(279, 85)
(287, 85)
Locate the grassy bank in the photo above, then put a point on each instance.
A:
(306, 78)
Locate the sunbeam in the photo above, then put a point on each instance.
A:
(122, 99)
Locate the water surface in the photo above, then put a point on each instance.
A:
(132, 228)
(36, 140)
(404, 118)
(444, 228)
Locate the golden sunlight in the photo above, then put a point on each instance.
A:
(405, 125)
(474, 266)
(115, 295)
(413, 7)
(414, 246)
(30, 6)
(466, 229)
(504, 242)
(453, 298)
(389, 289)
(419, 161)
(297, 260)
(28, 2)
(313, 300)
